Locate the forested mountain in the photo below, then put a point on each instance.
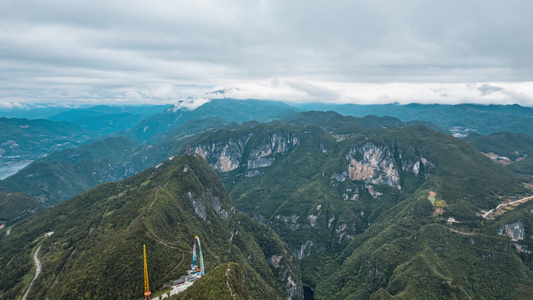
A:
(370, 207)
(28, 139)
(462, 119)
(104, 119)
(511, 145)
(91, 245)
(15, 207)
(226, 281)
(225, 109)
(341, 196)
(64, 174)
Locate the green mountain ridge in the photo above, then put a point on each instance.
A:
(226, 281)
(347, 198)
(105, 119)
(460, 118)
(17, 206)
(370, 208)
(94, 247)
(64, 174)
(29, 139)
(230, 110)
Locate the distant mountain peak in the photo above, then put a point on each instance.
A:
(189, 103)
(223, 92)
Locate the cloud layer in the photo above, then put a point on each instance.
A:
(140, 51)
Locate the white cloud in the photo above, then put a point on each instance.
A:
(160, 51)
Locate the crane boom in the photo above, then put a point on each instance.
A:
(146, 287)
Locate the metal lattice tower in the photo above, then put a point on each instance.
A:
(146, 288)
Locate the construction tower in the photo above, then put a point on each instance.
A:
(201, 257)
(146, 288)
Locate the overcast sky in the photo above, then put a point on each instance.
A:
(158, 51)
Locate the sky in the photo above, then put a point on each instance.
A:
(367, 52)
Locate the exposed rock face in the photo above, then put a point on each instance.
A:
(323, 148)
(373, 164)
(371, 191)
(330, 221)
(217, 205)
(340, 177)
(341, 233)
(253, 173)
(375, 272)
(304, 251)
(276, 143)
(515, 230)
(313, 220)
(522, 248)
(274, 260)
(198, 206)
(290, 221)
(209, 200)
(224, 156)
(293, 288)
(416, 166)
(351, 196)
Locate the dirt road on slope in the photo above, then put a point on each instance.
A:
(37, 271)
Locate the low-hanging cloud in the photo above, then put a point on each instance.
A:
(159, 51)
(487, 89)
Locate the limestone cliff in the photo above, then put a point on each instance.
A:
(373, 164)
(226, 155)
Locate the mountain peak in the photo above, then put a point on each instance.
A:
(189, 103)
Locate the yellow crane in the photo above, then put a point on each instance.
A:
(146, 288)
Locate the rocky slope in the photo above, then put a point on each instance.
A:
(318, 189)
(349, 196)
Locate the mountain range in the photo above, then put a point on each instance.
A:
(373, 207)
(91, 245)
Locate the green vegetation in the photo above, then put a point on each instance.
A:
(406, 256)
(62, 175)
(367, 238)
(485, 119)
(96, 247)
(14, 207)
(511, 145)
(65, 174)
(355, 248)
(440, 203)
(214, 285)
(29, 139)
(229, 110)
(104, 119)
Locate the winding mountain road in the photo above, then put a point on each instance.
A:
(37, 271)
(503, 205)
